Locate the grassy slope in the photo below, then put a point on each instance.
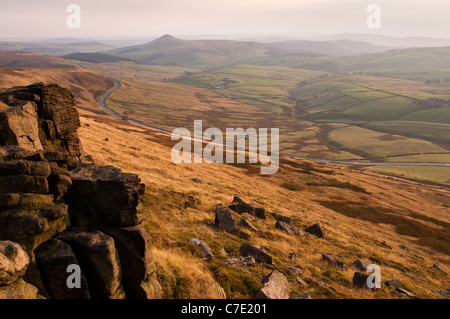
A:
(397, 211)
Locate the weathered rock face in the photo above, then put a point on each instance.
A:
(96, 251)
(53, 258)
(276, 286)
(56, 211)
(40, 117)
(107, 194)
(28, 213)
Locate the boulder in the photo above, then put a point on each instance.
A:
(99, 260)
(204, 248)
(360, 265)
(360, 280)
(106, 193)
(240, 207)
(333, 262)
(285, 219)
(276, 286)
(392, 283)
(404, 292)
(19, 290)
(53, 257)
(261, 256)
(14, 262)
(315, 230)
(225, 221)
(136, 258)
(288, 229)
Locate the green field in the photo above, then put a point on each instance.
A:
(267, 88)
(380, 145)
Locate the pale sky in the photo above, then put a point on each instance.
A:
(238, 18)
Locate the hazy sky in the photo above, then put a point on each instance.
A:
(238, 18)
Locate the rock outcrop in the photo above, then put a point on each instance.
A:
(58, 211)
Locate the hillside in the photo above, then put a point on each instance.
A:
(402, 226)
(56, 48)
(19, 59)
(169, 50)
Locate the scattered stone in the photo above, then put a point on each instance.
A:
(360, 265)
(316, 230)
(385, 244)
(444, 293)
(403, 247)
(288, 229)
(191, 202)
(14, 262)
(392, 283)
(260, 213)
(259, 255)
(285, 219)
(403, 292)
(302, 296)
(241, 261)
(225, 221)
(276, 286)
(239, 206)
(333, 262)
(247, 224)
(293, 257)
(204, 248)
(360, 280)
(196, 180)
(320, 282)
(301, 282)
(438, 267)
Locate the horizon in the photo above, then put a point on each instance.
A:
(235, 20)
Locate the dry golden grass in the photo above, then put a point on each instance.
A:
(147, 153)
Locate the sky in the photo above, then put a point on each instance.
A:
(44, 19)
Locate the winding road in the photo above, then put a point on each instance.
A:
(119, 85)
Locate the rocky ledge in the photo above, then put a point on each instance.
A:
(57, 209)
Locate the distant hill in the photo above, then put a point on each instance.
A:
(56, 49)
(20, 59)
(169, 50)
(406, 62)
(383, 40)
(95, 57)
